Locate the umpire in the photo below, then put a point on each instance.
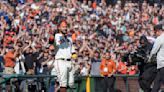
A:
(158, 50)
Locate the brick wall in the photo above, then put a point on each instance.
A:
(133, 84)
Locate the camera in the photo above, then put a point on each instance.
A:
(138, 56)
(135, 57)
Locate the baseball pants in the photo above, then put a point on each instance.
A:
(65, 73)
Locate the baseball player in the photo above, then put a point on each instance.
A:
(63, 64)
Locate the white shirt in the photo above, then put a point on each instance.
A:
(151, 39)
(53, 71)
(84, 6)
(17, 64)
(65, 48)
(16, 22)
(158, 48)
(84, 71)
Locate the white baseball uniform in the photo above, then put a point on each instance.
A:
(63, 63)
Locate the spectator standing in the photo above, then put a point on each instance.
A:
(107, 69)
(95, 62)
(29, 60)
(100, 24)
(145, 73)
(158, 49)
(122, 67)
(19, 64)
(9, 59)
(2, 58)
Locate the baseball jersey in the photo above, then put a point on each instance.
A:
(65, 47)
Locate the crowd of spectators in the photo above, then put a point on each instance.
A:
(27, 31)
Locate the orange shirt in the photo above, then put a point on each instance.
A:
(23, 27)
(51, 38)
(9, 59)
(74, 37)
(107, 67)
(94, 5)
(7, 40)
(131, 33)
(132, 70)
(122, 68)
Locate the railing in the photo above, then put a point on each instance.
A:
(80, 82)
(10, 78)
(126, 77)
